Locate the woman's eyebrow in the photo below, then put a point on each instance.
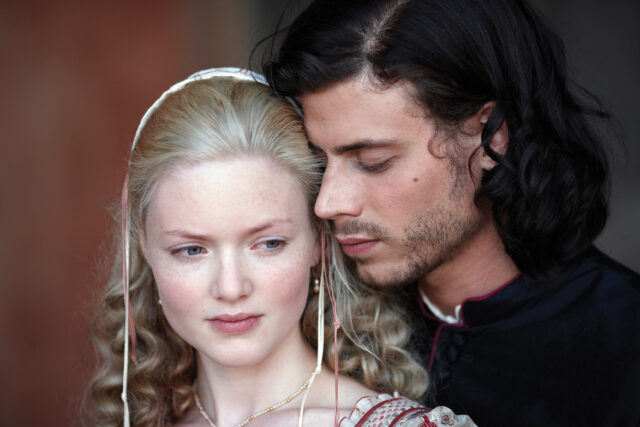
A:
(268, 224)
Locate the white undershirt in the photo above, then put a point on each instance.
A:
(439, 314)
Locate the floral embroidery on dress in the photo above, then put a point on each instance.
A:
(443, 416)
(387, 411)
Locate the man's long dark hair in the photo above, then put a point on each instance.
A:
(549, 190)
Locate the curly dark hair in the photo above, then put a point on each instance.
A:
(549, 190)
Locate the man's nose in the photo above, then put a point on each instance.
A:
(338, 195)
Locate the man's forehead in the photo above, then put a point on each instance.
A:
(358, 115)
(363, 90)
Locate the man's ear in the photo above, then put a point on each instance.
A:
(500, 140)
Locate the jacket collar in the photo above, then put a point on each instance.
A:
(518, 294)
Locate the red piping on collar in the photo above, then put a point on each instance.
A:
(483, 297)
(427, 313)
(437, 337)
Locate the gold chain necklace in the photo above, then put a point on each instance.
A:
(257, 414)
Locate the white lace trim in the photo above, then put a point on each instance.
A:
(441, 416)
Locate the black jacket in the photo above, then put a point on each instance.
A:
(564, 352)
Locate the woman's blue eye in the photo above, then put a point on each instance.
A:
(272, 244)
(188, 251)
(193, 250)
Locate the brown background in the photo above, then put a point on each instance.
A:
(76, 77)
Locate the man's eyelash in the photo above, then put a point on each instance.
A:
(375, 167)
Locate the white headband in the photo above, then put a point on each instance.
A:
(236, 73)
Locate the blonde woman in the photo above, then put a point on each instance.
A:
(211, 315)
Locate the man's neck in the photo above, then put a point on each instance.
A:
(478, 268)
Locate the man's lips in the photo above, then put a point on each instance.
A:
(235, 323)
(354, 246)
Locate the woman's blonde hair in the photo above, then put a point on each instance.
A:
(212, 119)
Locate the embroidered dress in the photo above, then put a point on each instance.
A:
(386, 411)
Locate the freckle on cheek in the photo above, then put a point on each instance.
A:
(415, 179)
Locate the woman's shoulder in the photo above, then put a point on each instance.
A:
(385, 410)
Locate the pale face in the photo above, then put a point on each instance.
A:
(398, 210)
(231, 244)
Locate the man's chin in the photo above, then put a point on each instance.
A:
(386, 276)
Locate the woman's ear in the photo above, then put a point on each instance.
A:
(500, 140)
(143, 244)
(315, 257)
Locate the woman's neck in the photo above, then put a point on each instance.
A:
(231, 394)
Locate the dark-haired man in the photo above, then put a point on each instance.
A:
(459, 158)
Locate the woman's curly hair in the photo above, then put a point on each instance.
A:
(213, 119)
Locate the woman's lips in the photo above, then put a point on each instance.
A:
(356, 246)
(235, 323)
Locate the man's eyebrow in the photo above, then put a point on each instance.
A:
(359, 145)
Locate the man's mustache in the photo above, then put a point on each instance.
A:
(356, 227)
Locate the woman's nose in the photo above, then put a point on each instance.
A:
(231, 283)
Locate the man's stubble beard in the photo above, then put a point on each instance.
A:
(434, 237)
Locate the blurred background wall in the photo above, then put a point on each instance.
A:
(76, 77)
